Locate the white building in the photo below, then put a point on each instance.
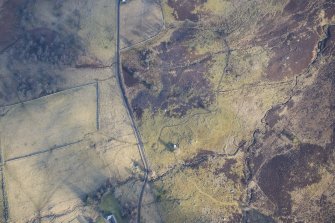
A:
(111, 219)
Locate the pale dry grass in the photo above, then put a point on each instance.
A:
(93, 21)
(50, 121)
(53, 182)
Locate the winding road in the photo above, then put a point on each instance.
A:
(129, 111)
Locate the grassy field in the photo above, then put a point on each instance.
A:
(49, 122)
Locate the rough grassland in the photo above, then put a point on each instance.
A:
(197, 151)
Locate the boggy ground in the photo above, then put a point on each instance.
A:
(234, 103)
